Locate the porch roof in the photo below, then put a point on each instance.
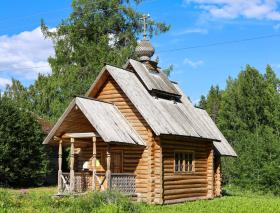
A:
(89, 115)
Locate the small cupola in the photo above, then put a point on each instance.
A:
(144, 50)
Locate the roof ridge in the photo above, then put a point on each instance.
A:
(122, 68)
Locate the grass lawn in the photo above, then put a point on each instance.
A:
(41, 200)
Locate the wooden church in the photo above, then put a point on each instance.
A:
(136, 132)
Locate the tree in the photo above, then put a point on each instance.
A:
(248, 113)
(22, 159)
(168, 70)
(96, 32)
(18, 94)
(211, 103)
(202, 102)
(249, 117)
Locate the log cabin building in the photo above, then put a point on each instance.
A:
(135, 131)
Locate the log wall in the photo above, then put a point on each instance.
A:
(195, 185)
(131, 156)
(217, 176)
(153, 165)
(210, 172)
(147, 167)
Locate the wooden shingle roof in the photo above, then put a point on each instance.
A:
(103, 117)
(165, 117)
(223, 148)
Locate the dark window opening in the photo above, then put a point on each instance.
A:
(184, 162)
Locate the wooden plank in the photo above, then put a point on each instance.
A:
(80, 135)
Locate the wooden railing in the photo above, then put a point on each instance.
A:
(65, 177)
(100, 179)
(123, 182)
(83, 182)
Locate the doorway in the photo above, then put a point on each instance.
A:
(117, 161)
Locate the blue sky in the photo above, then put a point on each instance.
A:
(193, 23)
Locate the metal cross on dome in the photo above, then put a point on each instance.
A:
(144, 18)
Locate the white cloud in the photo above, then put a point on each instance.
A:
(25, 54)
(193, 64)
(230, 9)
(192, 31)
(4, 82)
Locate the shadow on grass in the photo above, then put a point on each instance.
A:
(227, 193)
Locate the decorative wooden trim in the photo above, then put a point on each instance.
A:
(108, 171)
(81, 135)
(59, 174)
(93, 163)
(72, 161)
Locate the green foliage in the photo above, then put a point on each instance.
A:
(212, 103)
(249, 117)
(168, 70)
(95, 33)
(22, 159)
(40, 200)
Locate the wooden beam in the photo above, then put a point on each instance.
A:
(108, 172)
(81, 135)
(72, 159)
(59, 174)
(93, 163)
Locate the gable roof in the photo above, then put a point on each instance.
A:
(103, 117)
(223, 147)
(155, 81)
(163, 116)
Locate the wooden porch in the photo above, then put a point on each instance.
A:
(83, 181)
(122, 182)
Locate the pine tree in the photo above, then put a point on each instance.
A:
(202, 102)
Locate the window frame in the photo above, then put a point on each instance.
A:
(183, 159)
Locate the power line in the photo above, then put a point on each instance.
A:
(181, 49)
(221, 43)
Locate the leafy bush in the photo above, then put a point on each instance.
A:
(22, 158)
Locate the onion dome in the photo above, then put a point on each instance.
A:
(144, 50)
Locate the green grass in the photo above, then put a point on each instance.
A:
(41, 200)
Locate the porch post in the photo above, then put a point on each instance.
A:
(59, 174)
(108, 172)
(72, 159)
(93, 163)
